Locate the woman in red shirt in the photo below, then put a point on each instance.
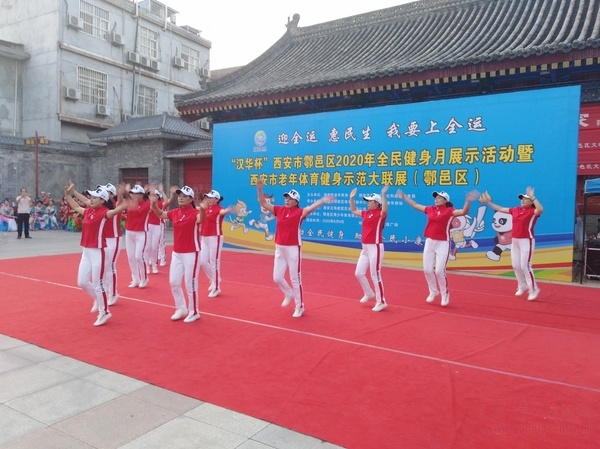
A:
(185, 260)
(136, 229)
(288, 244)
(371, 256)
(212, 240)
(524, 218)
(437, 239)
(93, 240)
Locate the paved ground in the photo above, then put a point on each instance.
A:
(50, 401)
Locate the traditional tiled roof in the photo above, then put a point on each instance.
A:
(408, 43)
(163, 126)
(65, 147)
(195, 149)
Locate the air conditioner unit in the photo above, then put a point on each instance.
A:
(144, 61)
(154, 64)
(205, 125)
(177, 62)
(74, 22)
(70, 93)
(126, 117)
(133, 57)
(203, 72)
(102, 109)
(116, 39)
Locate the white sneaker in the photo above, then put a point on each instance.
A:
(366, 298)
(214, 293)
(134, 284)
(144, 283)
(431, 297)
(533, 295)
(94, 307)
(445, 299)
(379, 306)
(211, 288)
(179, 314)
(102, 318)
(298, 312)
(286, 301)
(520, 291)
(113, 300)
(191, 317)
(163, 263)
(154, 269)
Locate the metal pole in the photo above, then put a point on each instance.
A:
(37, 140)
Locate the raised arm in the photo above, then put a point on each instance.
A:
(486, 199)
(68, 192)
(261, 196)
(536, 203)
(353, 208)
(471, 196)
(154, 206)
(327, 199)
(412, 203)
(384, 203)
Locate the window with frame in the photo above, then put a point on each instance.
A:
(95, 19)
(148, 42)
(191, 58)
(147, 100)
(93, 85)
(135, 176)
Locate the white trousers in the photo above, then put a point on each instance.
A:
(111, 255)
(435, 253)
(90, 276)
(521, 256)
(162, 242)
(210, 259)
(153, 238)
(185, 268)
(290, 257)
(135, 242)
(370, 259)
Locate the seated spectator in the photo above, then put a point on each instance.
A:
(51, 213)
(40, 218)
(7, 216)
(63, 214)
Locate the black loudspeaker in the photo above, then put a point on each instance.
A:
(592, 261)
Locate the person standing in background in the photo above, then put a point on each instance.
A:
(371, 256)
(153, 240)
(24, 204)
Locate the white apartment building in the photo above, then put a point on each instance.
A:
(86, 65)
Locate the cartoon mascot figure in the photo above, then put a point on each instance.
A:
(502, 224)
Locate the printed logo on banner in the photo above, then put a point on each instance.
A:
(260, 138)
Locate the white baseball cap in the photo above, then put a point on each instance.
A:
(137, 189)
(157, 193)
(109, 188)
(442, 194)
(186, 191)
(213, 194)
(100, 192)
(293, 194)
(524, 195)
(372, 197)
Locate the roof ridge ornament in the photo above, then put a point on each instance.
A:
(292, 25)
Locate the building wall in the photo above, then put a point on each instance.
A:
(58, 48)
(10, 97)
(55, 168)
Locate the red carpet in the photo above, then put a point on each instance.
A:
(489, 371)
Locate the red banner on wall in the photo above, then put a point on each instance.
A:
(588, 159)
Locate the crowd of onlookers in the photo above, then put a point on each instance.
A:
(45, 214)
